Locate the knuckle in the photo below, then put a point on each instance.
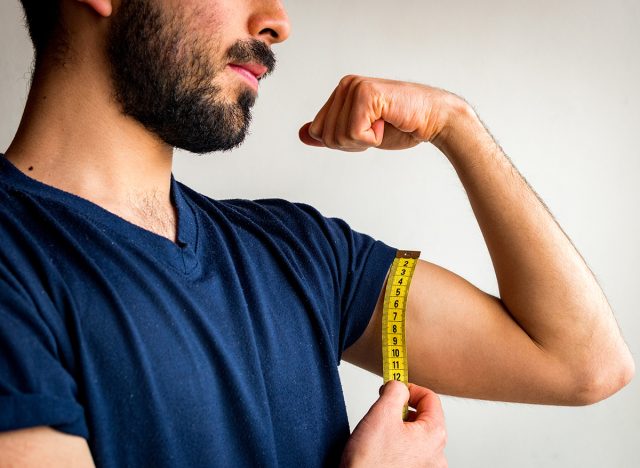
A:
(346, 80)
(441, 435)
(326, 138)
(342, 141)
(364, 87)
(437, 433)
(353, 135)
(330, 143)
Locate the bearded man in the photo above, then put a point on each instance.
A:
(145, 324)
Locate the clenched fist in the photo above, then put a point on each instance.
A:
(373, 112)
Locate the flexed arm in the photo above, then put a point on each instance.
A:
(551, 336)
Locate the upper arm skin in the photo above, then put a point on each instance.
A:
(43, 446)
(462, 341)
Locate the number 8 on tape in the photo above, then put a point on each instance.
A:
(394, 346)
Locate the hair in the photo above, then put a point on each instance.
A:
(44, 23)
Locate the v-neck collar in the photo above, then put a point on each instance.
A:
(181, 255)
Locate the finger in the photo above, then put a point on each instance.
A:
(366, 122)
(427, 404)
(306, 137)
(343, 133)
(329, 135)
(317, 125)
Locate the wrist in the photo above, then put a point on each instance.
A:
(461, 125)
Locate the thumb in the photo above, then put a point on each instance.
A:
(393, 396)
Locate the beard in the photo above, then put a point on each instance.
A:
(164, 78)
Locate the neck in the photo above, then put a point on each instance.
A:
(73, 136)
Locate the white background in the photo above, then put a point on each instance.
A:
(558, 85)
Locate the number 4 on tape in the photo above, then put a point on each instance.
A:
(394, 346)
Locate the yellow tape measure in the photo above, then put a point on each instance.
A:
(394, 346)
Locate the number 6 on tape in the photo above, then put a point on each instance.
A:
(394, 346)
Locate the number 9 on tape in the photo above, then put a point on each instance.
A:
(394, 345)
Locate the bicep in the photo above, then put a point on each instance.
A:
(43, 446)
(462, 341)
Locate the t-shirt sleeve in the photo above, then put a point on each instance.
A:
(35, 388)
(363, 266)
(357, 263)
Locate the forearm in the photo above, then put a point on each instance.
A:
(543, 281)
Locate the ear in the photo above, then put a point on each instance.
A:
(102, 7)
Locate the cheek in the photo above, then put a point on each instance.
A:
(217, 19)
(211, 26)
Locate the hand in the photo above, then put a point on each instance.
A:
(383, 439)
(364, 112)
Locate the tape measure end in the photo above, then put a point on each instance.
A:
(415, 254)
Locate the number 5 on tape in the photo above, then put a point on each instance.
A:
(394, 346)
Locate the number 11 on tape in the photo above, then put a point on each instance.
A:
(394, 345)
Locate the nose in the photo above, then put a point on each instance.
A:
(270, 22)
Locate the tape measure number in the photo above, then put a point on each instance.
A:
(394, 345)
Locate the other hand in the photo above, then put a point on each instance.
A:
(383, 439)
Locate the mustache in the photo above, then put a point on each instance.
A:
(255, 51)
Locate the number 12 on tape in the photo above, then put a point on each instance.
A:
(394, 345)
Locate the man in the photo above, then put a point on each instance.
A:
(145, 324)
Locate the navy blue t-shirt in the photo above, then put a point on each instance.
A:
(221, 349)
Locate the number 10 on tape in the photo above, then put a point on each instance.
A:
(394, 345)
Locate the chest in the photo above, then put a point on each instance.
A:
(170, 359)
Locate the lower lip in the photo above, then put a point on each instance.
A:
(246, 74)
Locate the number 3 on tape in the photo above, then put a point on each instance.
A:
(394, 346)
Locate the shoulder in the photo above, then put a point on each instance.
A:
(277, 206)
(274, 213)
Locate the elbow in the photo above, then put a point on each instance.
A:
(600, 384)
